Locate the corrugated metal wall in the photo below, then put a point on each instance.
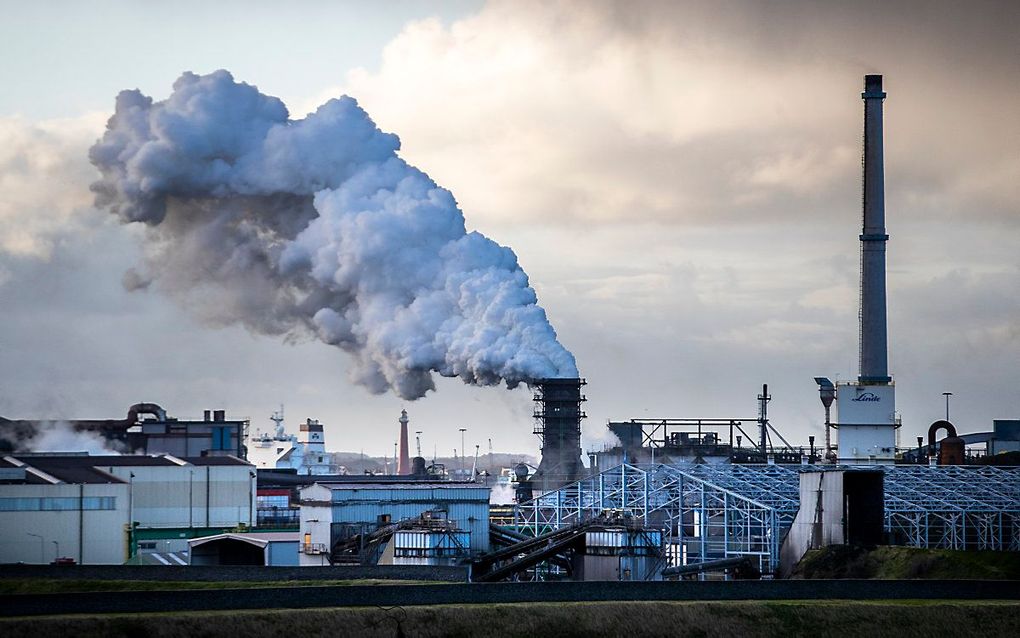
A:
(468, 506)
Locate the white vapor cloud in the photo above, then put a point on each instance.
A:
(317, 226)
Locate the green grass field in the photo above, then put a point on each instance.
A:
(841, 619)
(905, 563)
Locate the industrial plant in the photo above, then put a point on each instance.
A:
(672, 498)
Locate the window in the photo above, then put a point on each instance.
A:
(272, 501)
(221, 438)
(57, 504)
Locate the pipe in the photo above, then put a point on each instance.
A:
(145, 408)
(207, 496)
(935, 427)
(81, 524)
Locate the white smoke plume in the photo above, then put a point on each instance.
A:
(317, 226)
(60, 436)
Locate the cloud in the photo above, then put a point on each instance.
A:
(701, 112)
(44, 177)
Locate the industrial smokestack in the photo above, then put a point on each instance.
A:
(873, 338)
(558, 421)
(404, 461)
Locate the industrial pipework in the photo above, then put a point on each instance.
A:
(873, 338)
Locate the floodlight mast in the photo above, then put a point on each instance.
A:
(827, 393)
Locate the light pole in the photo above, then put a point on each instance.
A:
(462, 431)
(42, 550)
(56, 551)
(947, 395)
(827, 393)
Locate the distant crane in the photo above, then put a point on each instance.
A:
(277, 418)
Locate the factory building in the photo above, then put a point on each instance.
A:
(147, 429)
(82, 507)
(363, 522)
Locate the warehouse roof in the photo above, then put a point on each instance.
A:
(215, 460)
(83, 468)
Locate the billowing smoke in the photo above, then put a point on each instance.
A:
(316, 226)
(61, 436)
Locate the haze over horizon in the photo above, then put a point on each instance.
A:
(681, 182)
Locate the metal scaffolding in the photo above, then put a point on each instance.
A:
(713, 511)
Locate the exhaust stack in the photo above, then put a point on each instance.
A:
(558, 417)
(866, 409)
(873, 337)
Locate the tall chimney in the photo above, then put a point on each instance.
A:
(874, 355)
(404, 461)
(558, 417)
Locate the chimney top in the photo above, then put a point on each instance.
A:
(873, 86)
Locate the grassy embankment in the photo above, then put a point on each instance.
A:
(632, 619)
(905, 563)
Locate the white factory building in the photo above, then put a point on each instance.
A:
(78, 507)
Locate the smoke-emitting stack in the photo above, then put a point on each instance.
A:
(558, 412)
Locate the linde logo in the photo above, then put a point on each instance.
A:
(867, 396)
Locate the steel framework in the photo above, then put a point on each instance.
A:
(714, 511)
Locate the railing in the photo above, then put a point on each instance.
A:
(312, 548)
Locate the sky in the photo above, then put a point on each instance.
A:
(680, 180)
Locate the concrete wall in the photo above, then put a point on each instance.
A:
(234, 572)
(89, 536)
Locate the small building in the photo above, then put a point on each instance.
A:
(271, 549)
(838, 506)
(332, 513)
(619, 553)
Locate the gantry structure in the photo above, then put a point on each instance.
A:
(712, 511)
